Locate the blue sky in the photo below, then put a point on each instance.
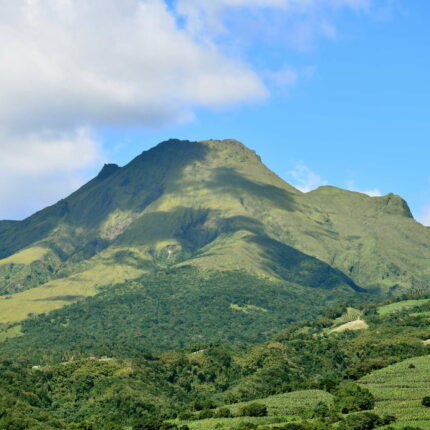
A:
(326, 91)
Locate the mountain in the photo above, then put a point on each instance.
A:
(212, 218)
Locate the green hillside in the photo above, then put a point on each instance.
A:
(171, 310)
(212, 205)
(304, 378)
(399, 390)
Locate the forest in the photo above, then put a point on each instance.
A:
(223, 384)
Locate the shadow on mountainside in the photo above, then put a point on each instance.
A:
(184, 224)
(132, 187)
(295, 266)
(228, 180)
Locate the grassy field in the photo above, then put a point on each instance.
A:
(358, 324)
(351, 314)
(26, 256)
(281, 408)
(60, 292)
(228, 423)
(399, 306)
(399, 389)
(289, 403)
(10, 332)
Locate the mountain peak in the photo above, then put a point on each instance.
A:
(397, 205)
(107, 170)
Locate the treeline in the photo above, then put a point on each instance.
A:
(110, 392)
(171, 310)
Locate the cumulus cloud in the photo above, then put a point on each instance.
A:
(286, 76)
(425, 216)
(39, 168)
(68, 66)
(373, 192)
(67, 63)
(299, 22)
(304, 179)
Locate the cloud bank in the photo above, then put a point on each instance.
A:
(71, 67)
(66, 66)
(425, 216)
(304, 179)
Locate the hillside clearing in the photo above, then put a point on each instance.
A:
(281, 408)
(26, 256)
(352, 325)
(399, 306)
(399, 390)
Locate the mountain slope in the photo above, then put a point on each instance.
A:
(215, 206)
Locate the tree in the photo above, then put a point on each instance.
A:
(253, 410)
(426, 401)
(363, 421)
(350, 397)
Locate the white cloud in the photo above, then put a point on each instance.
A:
(281, 80)
(69, 67)
(299, 22)
(304, 179)
(425, 216)
(73, 65)
(68, 63)
(373, 192)
(287, 76)
(39, 169)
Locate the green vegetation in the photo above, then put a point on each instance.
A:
(215, 206)
(197, 281)
(399, 390)
(289, 404)
(302, 378)
(169, 310)
(398, 306)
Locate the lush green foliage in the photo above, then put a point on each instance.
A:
(202, 384)
(351, 397)
(213, 205)
(253, 410)
(197, 245)
(170, 310)
(399, 390)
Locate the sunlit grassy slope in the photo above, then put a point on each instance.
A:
(57, 293)
(213, 205)
(281, 408)
(399, 390)
(26, 256)
(399, 306)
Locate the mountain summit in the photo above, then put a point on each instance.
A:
(215, 207)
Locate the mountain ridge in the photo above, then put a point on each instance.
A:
(215, 206)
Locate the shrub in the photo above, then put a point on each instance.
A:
(223, 413)
(294, 426)
(363, 421)
(351, 397)
(148, 424)
(246, 426)
(253, 410)
(168, 426)
(185, 415)
(426, 401)
(388, 419)
(205, 414)
(200, 405)
(358, 370)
